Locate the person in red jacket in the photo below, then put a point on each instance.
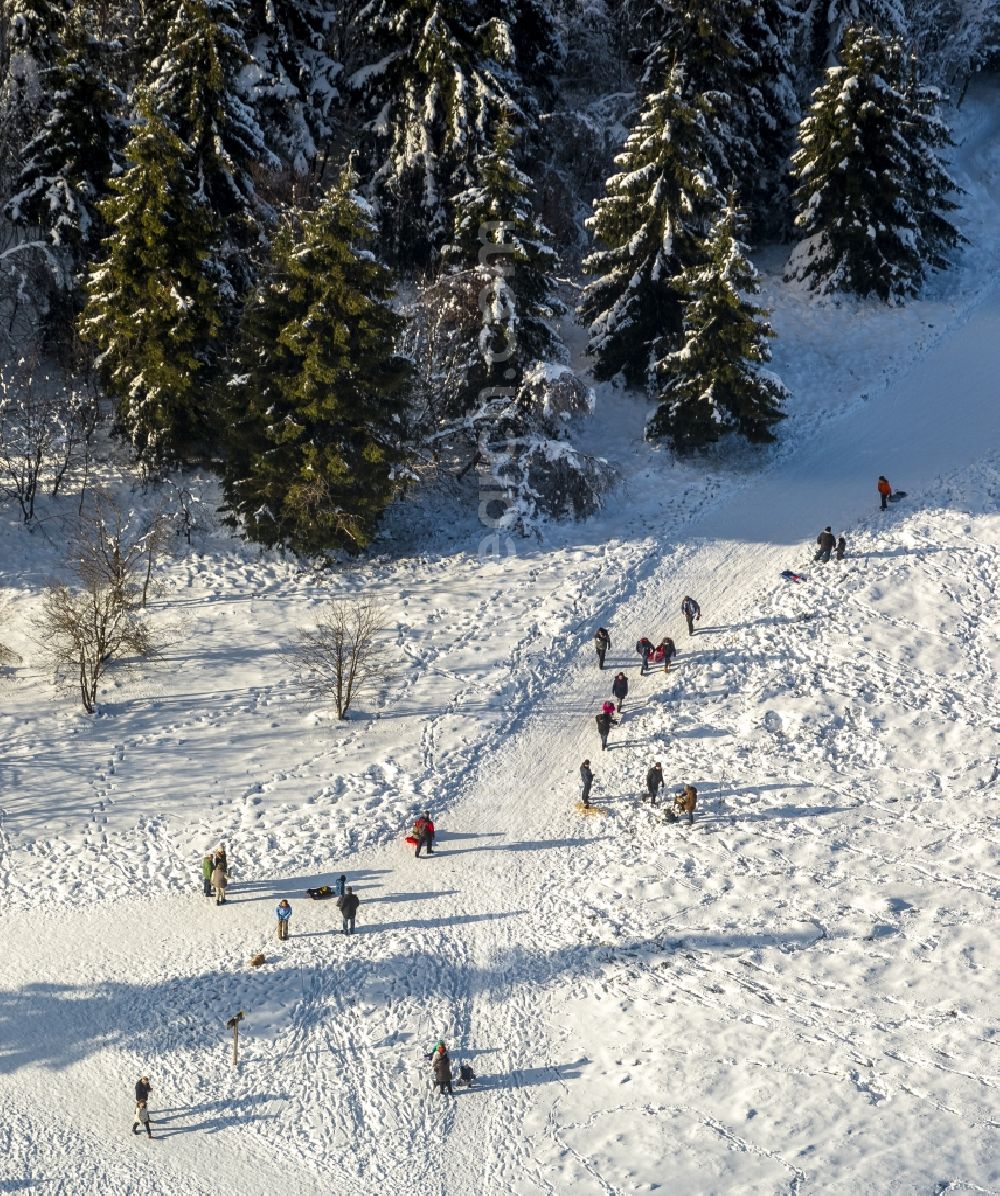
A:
(884, 489)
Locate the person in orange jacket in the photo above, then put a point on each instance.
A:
(884, 489)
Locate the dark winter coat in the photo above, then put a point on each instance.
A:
(841, 548)
(690, 609)
(348, 904)
(142, 1091)
(602, 641)
(619, 687)
(586, 775)
(604, 723)
(442, 1068)
(654, 779)
(827, 541)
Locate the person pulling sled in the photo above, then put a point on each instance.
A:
(645, 649)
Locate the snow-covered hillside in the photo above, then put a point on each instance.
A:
(796, 994)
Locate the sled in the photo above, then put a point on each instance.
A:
(412, 840)
(790, 575)
(585, 810)
(319, 893)
(896, 495)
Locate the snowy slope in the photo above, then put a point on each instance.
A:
(794, 995)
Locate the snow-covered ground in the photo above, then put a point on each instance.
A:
(794, 995)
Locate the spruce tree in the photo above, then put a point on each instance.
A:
(499, 236)
(152, 310)
(648, 226)
(68, 162)
(713, 383)
(870, 224)
(318, 406)
(825, 22)
(295, 90)
(735, 57)
(30, 41)
(197, 89)
(435, 76)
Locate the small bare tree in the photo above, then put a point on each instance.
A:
(86, 626)
(341, 654)
(41, 425)
(84, 629)
(117, 548)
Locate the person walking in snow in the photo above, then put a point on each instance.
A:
(341, 886)
(827, 541)
(348, 906)
(442, 1070)
(221, 858)
(884, 490)
(142, 1090)
(142, 1121)
(654, 779)
(602, 642)
(619, 687)
(645, 649)
(666, 650)
(691, 612)
(206, 875)
(219, 882)
(283, 912)
(604, 724)
(841, 548)
(423, 833)
(429, 830)
(587, 777)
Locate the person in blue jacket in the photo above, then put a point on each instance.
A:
(284, 912)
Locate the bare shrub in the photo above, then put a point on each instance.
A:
(85, 628)
(42, 424)
(119, 549)
(342, 654)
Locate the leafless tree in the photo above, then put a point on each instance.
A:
(84, 628)
(342, 654)
(41, 425)
(117, 548)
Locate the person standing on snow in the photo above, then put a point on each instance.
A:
(686, 800)
(341, 887)
(884, 489)
(442, 1070)
(283, 912)
(654, 779)
(668, 649)
(619, 687)
(142, 1120)
(429, 830)
(219, 882)
(827, 541)
(587, 777)
(602, 642)
(841, 548)
(604, 724)
(206, 875)
(645, 649)
(420, 833)
(691, 612)
(142, 1090)
(348, 906)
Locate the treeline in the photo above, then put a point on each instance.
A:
(317, 245)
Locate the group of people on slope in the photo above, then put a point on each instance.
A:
(215, 874)
(828, 543)
(685, 799)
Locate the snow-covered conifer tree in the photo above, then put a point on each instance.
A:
(713, 383)
(735, 57)
(648, 227)
(197, 88)
(153, 310)
(500, 238)
(295, 77)
(436, 74)
(871, 224)
(68, 162)
(317, 406)
(30, 41)
(825, 22)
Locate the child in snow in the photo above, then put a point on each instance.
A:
(283, 912)
(841, 548)
(142, 1120)
(884, 490)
